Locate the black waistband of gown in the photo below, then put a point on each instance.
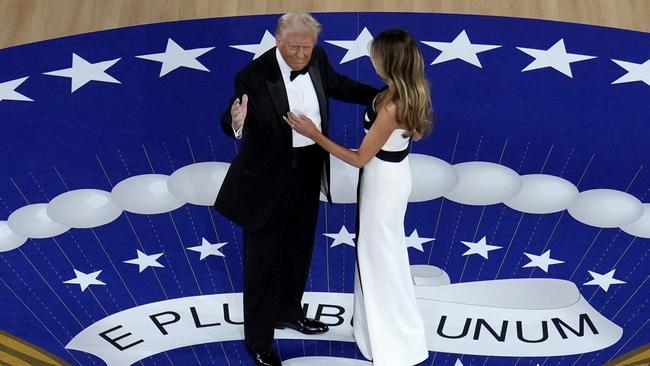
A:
(393, 156)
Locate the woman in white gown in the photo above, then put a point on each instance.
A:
(388, 327)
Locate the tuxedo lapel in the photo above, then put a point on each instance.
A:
(278, 92)
(314, 73)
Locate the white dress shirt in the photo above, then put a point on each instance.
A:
(302, 100)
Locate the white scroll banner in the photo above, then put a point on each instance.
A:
(131, 335)
(514, 317)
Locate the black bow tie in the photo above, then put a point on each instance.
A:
(294, 73)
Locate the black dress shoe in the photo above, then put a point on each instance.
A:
(304, 326)
(264, 358)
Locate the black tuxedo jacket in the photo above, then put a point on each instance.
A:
(252, 186)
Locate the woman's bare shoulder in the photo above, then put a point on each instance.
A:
(388, 108)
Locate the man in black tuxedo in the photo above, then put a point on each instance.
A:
(273, 185)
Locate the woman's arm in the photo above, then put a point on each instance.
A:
(379, 133)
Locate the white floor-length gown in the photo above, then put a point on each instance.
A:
(388, 326)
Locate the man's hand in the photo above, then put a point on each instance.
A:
(238, 112)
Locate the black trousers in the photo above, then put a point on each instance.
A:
(277, 256)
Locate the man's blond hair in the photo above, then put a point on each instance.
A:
(298, 23)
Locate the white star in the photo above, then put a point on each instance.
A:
(207, 249)
(604, 280)
(635, 72)
(175, 56)
(415, 241)
(145, 261)
(342, 237)
(460, 48)
(8, 90)
(480, 248)
(541, 261)
(85, 279)
(357, 48)
(267, 42)
(458, 362)
(83, 72)
(555, 57)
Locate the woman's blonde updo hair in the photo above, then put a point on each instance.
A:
(398, 61)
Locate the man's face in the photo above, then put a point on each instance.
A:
(296, 48)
